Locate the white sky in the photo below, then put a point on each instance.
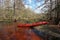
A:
(32, 5)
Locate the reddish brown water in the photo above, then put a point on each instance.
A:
(11, 32)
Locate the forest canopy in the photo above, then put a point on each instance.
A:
(21, 10)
